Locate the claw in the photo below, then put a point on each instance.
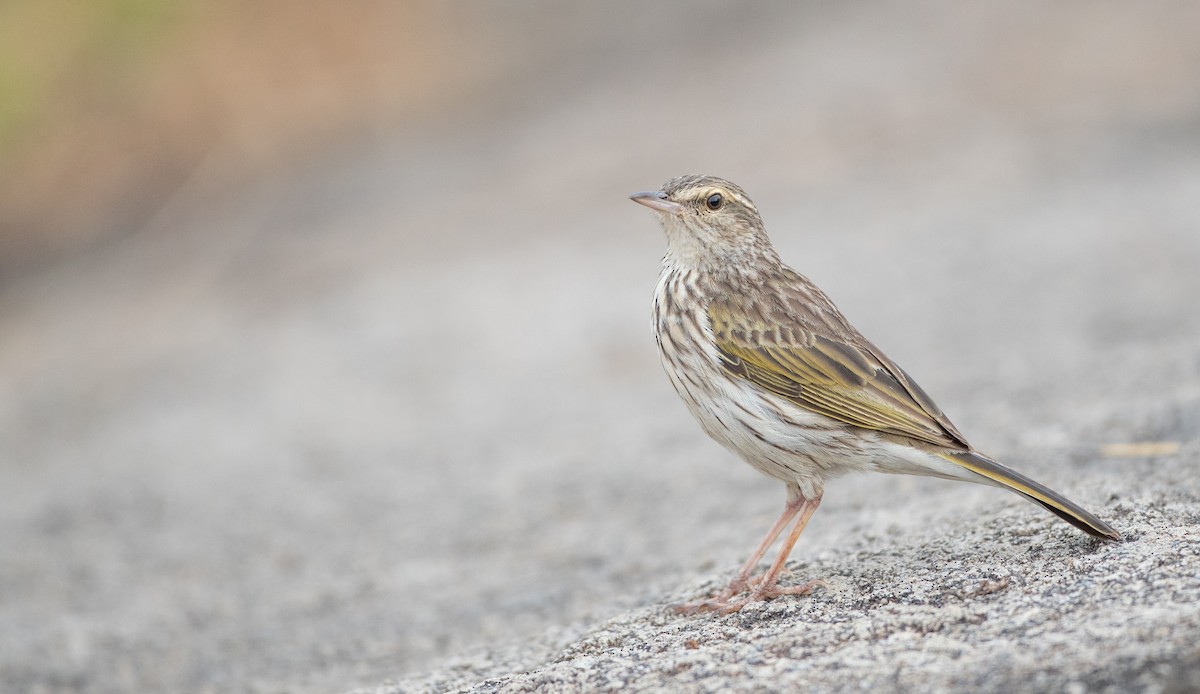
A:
(724, 603)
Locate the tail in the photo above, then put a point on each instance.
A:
(1052, 501)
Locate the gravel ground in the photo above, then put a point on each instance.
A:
(395, 420)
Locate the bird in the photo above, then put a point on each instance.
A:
(772, 370)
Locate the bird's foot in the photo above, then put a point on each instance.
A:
(715, 603)
(762, 593)
(732, 598)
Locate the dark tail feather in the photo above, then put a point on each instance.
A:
(1052, 501)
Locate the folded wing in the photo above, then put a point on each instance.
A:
(831, 370)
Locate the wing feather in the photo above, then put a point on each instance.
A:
(839, 376)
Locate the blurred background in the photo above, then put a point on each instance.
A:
(325, 352)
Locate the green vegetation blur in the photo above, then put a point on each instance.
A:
(51, 49)
(108, 107)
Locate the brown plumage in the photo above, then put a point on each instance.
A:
(773, 371)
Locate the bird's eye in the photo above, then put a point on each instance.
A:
(714, 202)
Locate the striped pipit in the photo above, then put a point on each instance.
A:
(773, 371)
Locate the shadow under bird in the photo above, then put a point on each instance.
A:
(774, 372)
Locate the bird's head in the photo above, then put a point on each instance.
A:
(708, 221)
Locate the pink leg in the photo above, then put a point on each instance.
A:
(766, 588)
(795, 503)
(739, 583)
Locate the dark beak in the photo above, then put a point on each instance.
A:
(656, 200)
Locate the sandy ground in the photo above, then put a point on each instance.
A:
(395, 421)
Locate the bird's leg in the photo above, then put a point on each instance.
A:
(765, 588)
(795, 502)
(742, 580)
